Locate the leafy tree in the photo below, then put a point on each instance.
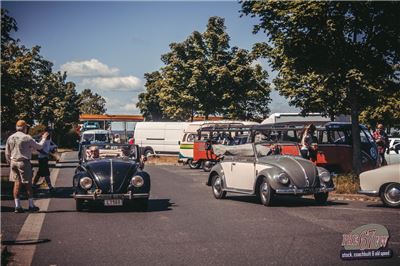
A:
(91, 103)
(204, 75)
(331, 57)
(29, 88)
(149, 101)
(386, 112)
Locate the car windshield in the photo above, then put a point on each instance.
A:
(245, 150)
(126, 151)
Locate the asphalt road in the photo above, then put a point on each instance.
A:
(185, 225)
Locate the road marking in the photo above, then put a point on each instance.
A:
(23, 254)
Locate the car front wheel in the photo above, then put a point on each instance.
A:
(321, 198)
(194, 164)
(217, 187)
(266, 193)
(390, 195)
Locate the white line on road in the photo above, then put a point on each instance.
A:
(23, 254)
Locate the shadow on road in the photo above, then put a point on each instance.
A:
(155, 205)
(59, 192)
(25, 241)
(284, 201)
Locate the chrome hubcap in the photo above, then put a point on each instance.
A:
(217, 186)
(392, 194)
(264, 190)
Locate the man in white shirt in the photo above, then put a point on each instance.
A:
(18, 153)
(43, 158)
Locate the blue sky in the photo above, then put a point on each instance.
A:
(108, 46)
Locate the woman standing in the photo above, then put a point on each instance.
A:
(43, 158)
(307, 150)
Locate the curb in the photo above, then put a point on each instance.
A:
(353, 197)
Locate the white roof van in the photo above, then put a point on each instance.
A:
(190, 134)
(159, 137)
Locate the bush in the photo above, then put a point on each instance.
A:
(346, 184)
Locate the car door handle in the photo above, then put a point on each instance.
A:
(233, 163)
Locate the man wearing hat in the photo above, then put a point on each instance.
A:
(18, 153)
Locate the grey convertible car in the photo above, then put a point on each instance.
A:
(254, 169)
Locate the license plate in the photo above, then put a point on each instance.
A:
(113, 202)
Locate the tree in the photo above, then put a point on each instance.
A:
(331, 57)
(149, 101)
(204, 75)
(387, 112)
(91, 103)
(29, 88)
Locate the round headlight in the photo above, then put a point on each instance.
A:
(325, 176)
(137, 181)
(283, 178)
(86, 182)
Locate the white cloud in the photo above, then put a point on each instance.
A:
(130, 107)
(126, 83)
(117, 106)
(88, 68)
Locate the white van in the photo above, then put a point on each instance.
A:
(159, 137)
(190, 134)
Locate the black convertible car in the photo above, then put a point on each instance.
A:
(112, 175)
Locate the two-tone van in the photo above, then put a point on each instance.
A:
(191, 133)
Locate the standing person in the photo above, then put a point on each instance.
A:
(117, 139)
(43, 157)
(382, 141)
(18, 153)
(307, 150)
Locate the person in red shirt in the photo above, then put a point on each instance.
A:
(382, 141)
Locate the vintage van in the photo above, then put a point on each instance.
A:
(191, 134)
(333, 143)
(159, 137)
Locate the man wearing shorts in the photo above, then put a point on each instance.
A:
(18, 153)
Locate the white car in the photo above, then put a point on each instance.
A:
(383, 182)
(394, 151)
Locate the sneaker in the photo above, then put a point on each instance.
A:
(19, 210)
(33, 209)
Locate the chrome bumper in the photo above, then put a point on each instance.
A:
(111, 196)
(372, 193)
(303, 191)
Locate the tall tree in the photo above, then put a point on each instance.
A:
(91, 103)
(334, 57)
(204, 75)
(29, 88)
(149, 101)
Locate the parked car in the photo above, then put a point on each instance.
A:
(383, 182)
(112, 175)
(253, 169)
(394, 151)
(159, 137)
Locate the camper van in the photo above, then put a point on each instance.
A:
(159, 137)
(191, 133)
